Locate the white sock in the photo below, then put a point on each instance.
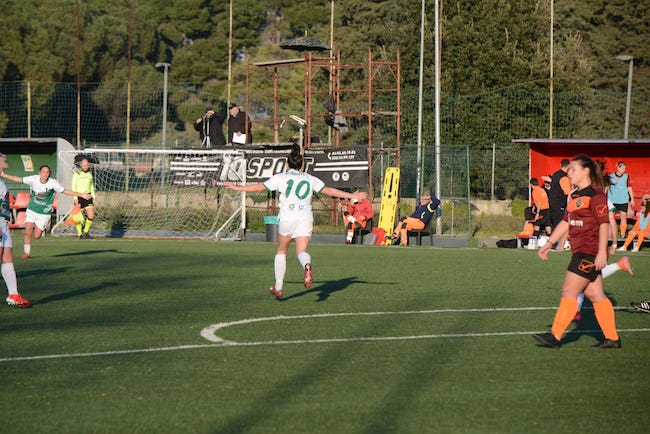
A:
(581, 298)
(304, 258)
(27, 248)
(280, 266)
(9, 276)
(609, 269)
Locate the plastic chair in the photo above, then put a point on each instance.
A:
(19, 221)
(22, 200)
(419, 233)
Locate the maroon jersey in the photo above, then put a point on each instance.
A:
(586, 211)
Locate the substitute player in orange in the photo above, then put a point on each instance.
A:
(542, 209)
(587, 222)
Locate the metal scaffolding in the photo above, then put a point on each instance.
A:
(381, 78)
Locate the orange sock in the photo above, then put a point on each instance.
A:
(606, 319)
(623, 228)
(629, 239)
(564, 315)
(640, 238)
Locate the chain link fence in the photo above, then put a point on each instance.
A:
(478, 158)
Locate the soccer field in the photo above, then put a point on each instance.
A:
(150, 336)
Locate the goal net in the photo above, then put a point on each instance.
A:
(159, 193)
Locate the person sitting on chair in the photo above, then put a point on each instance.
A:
(418, 220)
(357, 216)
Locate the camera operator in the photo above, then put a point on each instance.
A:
(210, 128)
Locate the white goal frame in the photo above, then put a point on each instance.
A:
(191, 179)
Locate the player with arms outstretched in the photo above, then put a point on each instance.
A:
(39, 211)
(6, 246)
(296, 219)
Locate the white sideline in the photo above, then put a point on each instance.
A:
(209, 333)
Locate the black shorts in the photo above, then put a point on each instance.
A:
(584, 265)
(557, 215)
(85, 203)
(620, 207)
(544, 218)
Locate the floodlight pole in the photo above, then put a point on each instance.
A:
(628, 100)
(418, 164)
(164, 121)
(551, 75)
(437, 108)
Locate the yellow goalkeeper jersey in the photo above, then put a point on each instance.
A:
(82, 182)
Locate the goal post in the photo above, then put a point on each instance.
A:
(159, 193)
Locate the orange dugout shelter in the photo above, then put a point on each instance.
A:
(545, 156)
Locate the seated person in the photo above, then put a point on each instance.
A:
(357, 216)
(418, 220)
(528, 230)
(542, 209)
(641, 227)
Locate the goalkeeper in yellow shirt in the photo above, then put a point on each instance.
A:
(83, 182)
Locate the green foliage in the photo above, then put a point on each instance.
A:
(495, 70)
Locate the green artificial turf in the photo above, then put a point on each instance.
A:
(387, 340)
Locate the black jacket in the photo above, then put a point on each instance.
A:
(213, 128)
(238, 123)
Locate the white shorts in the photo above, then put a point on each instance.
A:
(41, 221)
(5, 235)
(298, 225)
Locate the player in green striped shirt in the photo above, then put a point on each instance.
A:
(43, 189)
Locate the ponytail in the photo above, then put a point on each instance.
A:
(295, 159)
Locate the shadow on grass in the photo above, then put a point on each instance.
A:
(92, 252)
(75, 293)
(328, 288)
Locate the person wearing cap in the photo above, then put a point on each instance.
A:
(620, 194)
(418, 220)
(239, 127)
(210, 128)
(356, 216)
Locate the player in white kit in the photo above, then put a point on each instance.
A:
(296, 220)
(6, 245)
(41, 198)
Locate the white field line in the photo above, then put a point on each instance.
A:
(209, 333)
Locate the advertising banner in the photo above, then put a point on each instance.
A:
(337, 167)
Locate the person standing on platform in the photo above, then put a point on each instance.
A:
(210, 128)
(239, 127)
